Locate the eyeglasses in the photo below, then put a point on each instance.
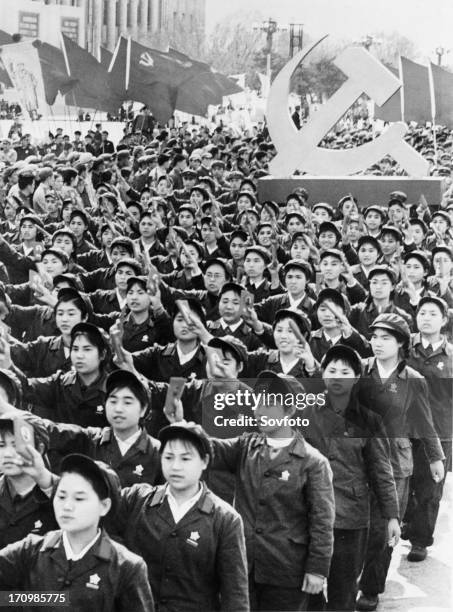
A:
(213, 276)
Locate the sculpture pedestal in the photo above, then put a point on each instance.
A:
(367, 189)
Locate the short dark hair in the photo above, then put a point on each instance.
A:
(187, 440)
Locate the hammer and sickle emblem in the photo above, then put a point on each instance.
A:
(300, 150)
(146, 60)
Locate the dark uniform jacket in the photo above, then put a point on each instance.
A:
(268, 308)
(355, 294)
(21, 515)
(319, 344)
(270, 360)
(159, 363)
(63, 397)
(243, 333)
(437, 368)
(138, 336)
(165, 265)
(103, 278)
(209, 301)
(177, 279)
(93, 260)
(359, 455)
(105, 301)
(402, 402)
(287, 505)
(197, 564)
(17, 264)
(42, 357)
(109, 578)
(27, 323)
(363, 314)
(262, 291)
(141, 463)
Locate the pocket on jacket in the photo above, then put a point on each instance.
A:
(299, 539)
(360, 490)
(403, 443)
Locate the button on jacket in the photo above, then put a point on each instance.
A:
(109, 578)
(192, 562)
(287, 505)
(403, 404)
(359, 455)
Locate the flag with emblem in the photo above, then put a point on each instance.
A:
(144, 75)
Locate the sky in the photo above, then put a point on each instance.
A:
(429, 23)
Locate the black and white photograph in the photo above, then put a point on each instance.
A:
(226, 305)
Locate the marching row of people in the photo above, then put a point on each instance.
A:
(140, 270)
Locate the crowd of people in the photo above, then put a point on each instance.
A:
(145, 291)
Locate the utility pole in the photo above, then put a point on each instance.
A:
(440, 52)
(270, 27)
(295, 37)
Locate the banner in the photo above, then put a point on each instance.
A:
(390, 110)
(443, 95)
(416, 91)
(21, 61)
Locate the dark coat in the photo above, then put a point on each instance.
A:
(42, 357)
(287, 505)
(437, 368)
(140, 464)
(159, 363)
(196, 564)
(62, 397)
(21, 516)
(38, 563)
(403, 404)
(359, 455)
(268, 308)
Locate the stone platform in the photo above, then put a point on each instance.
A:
(367, 189)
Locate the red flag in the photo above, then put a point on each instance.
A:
(93, 88)
(55, 77)
(443, 95)
(417, 98)
(390, 110)
(145, 75)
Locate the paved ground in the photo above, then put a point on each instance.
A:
(425, 586)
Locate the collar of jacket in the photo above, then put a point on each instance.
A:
(205, 504)
(102, 549)
(71, 378)
(142, 442)
(446, 346)
(317, 333)
(55, 343)
(401, 369)
(297, 447)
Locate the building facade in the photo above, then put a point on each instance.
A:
(44, 20)
(108, 19)
(95, 23)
